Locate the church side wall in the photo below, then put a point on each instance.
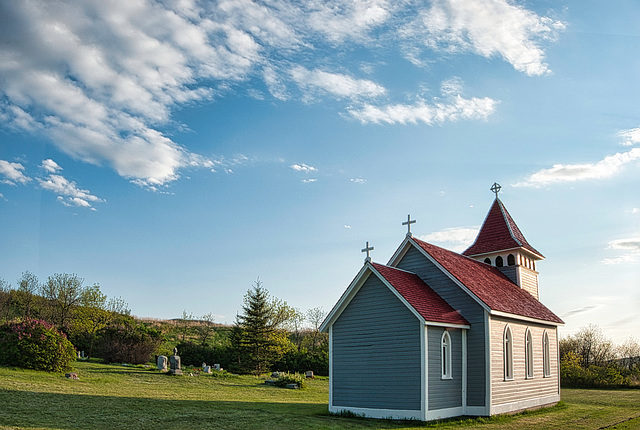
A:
(520, 392)
(444, 393)
(376, 352)
(417, 263)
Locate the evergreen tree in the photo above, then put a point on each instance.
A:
(256, 336)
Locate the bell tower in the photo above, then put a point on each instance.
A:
(500, 243)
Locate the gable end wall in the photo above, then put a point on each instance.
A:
(376, 352)
(417, 263)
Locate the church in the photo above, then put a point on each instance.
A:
(435, 334)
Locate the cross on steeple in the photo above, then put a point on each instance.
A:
(367, 249)
(408, 223)
(495, 188)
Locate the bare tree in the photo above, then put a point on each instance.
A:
(64, 292)
(28, 287)
(205, 329)
(5, 298)
(315, 316)
(591, 346)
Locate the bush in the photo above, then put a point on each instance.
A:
(128, 343)
(301, 361)
(35, 344)
(192, 354)
(291, 378)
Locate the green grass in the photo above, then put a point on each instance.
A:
(125, 397)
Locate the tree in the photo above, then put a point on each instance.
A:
(5, 298)
(28, 287)
(205, 329)
(315, 316)
(256, 335)
(184, 323)
(64, 292)
(590, 346)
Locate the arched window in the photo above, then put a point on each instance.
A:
(446, 356)
(546, 354)
(511, 260)
(528, 354)
(508, 354)
(487, 260)
(499, 261)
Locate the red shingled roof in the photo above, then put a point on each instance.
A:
(489, 285)
(499, 232)
(419, 295)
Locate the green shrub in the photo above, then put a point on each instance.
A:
(35, 344)
(291, 378)
(301, 361)
(128, 343)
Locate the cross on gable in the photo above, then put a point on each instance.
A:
(496, 188)
(367, 249)
(408, 223)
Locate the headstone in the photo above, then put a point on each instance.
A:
(78, 354)
(82, 355)
(71, 376)
(206, 369)
(217, 367)
(174, 365)
(309, 374)
(293, 386)
(162, 363)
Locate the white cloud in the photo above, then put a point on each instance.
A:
(487, 28)
(309, 181)
(68, 192)
(13, 173)
(631, 247)
(635, 210)
(303, 168)
(630, 137)
(451, 109)
(50, 166)
(339, 85)
(101, 79)
(358, 180)
(457, 238)
(604, 168)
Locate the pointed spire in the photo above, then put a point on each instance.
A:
(499, 231)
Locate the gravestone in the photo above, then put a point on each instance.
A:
(71, 376)
(217, 367)
(162, 363)
(206, 369)
(174, 365)
(309, 374)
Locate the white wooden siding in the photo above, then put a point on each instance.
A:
(521, 389)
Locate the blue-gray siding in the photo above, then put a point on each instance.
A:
(444, 393)
(376, 352)
(414, 261)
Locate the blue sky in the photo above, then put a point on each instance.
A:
(175, 151)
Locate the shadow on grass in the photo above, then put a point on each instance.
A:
(27, 409)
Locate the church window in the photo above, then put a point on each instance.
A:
(508, 354)
(499, 261)
(446, 356)
(487, 260)
(528, 354)
(511, 260)
(546, 354)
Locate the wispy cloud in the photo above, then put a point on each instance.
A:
(630, 137)
(13, 173)
(101, 80)
(309, 181)
(605, 168)
(68, 192)
(339, 85)
(630, 247)
(456, 239)
(452, 109)
(303, 168)
(488, 28)
(358, 180)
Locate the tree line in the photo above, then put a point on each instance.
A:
(589, 359)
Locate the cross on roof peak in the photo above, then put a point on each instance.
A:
(408, 223)
(367, 249)
(495, 188)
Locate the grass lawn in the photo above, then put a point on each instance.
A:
(119, 397)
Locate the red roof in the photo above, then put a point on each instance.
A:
(489, 285)
(420, 296)
(499, 232)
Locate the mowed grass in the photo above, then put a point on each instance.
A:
(121, 397)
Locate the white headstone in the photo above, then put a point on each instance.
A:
(162, 363)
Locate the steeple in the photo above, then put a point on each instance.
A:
(501, 243)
